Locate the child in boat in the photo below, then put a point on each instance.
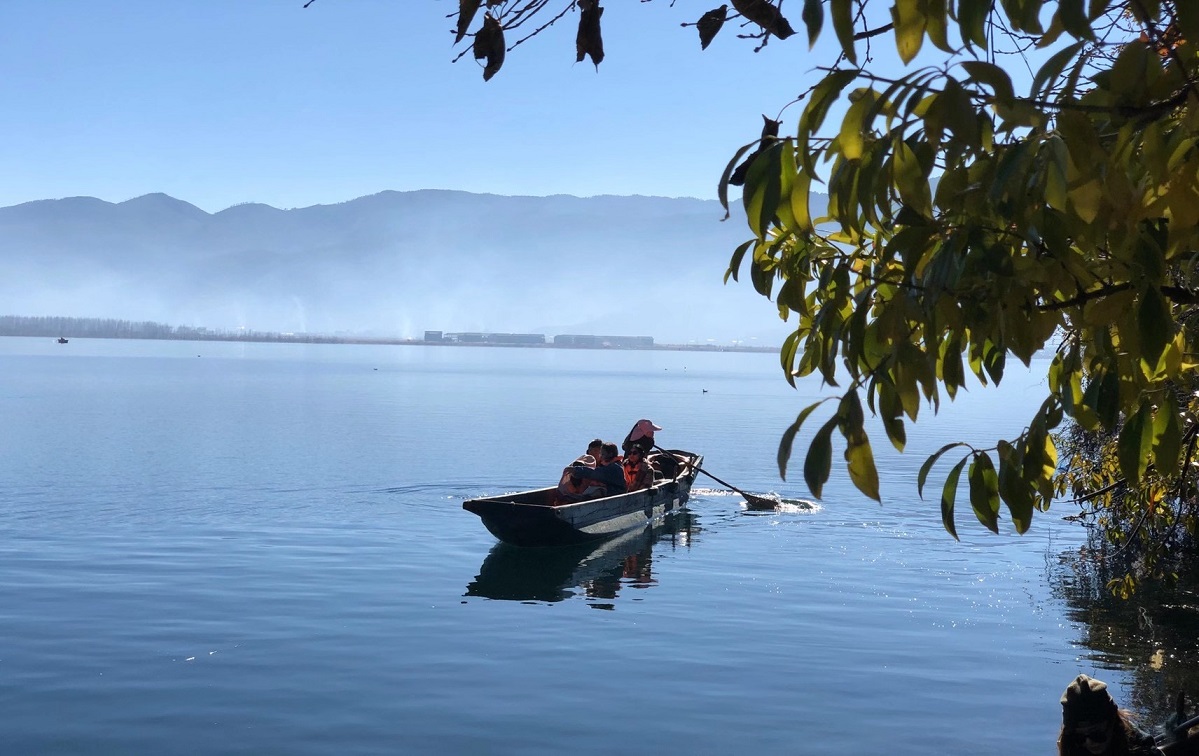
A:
(637, 472)
(1092, 724)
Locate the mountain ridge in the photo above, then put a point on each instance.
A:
(391, 263)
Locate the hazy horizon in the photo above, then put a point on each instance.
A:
(391, 264)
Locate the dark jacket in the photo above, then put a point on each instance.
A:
(610, 475)
(645, 444)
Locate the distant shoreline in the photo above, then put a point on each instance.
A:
(97, 328)
(309, 339)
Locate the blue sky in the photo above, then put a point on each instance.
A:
(219, 102)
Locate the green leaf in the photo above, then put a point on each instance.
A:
(1049, 72)
(862, 471)
(722, 189)
(936, 24)
(952, 375)
(853, 127)
(819, 460)
(823, 96)
(1131, 67)
(842, 12)
(1155, 325)
(1074, 19)
(1107, 398)
(1024, 15)
(891, 410)
(1135, 445)
(928, 466)
(1187, 15)
(1013, 488)
(993, 76)
(763, 189)
(1086, 199)
(994, 360)
(787, 360)
(735, 262)
(1056, 160)
(984, 491)
(789, 438)
(813, 18)
(910, 181)
(801, 186)
(972, 18)
(948, 493)
(787, 174)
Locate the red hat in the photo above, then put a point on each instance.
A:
(643, 429)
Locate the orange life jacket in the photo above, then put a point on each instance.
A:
(637, 475)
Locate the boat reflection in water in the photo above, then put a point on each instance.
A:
(596, 569)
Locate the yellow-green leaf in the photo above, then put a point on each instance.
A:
(910, 21)
(1167, 437)
(1135, 445)
(862, 470)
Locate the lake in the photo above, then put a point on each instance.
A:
(260, 548)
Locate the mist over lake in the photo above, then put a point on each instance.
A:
(390, 264)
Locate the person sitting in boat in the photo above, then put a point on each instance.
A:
(637, 472)
(642, 436)
(607, 473)
(594, 449)
(572, 487)
(1092, 724)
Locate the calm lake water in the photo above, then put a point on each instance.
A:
(258, 548)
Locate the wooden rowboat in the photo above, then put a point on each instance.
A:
(532, 518)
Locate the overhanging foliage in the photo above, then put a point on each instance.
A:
(972, 218)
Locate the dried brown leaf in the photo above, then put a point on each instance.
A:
(765, 15)
(589, 41)
(466, 13)
(709, 24)
(489, 44)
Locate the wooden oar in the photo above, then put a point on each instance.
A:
(754, 502)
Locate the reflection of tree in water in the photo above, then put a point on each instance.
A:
(598, 569)
(1153, 636)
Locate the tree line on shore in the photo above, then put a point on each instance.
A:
(113, 328)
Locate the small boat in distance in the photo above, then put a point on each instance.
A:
(533, 518)
(61, 340)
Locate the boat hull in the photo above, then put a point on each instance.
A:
(530, 518)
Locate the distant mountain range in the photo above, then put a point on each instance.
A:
(390, 264)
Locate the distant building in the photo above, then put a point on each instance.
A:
(434, 336)
(515, 338)
(589, 341)
(474, 337)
